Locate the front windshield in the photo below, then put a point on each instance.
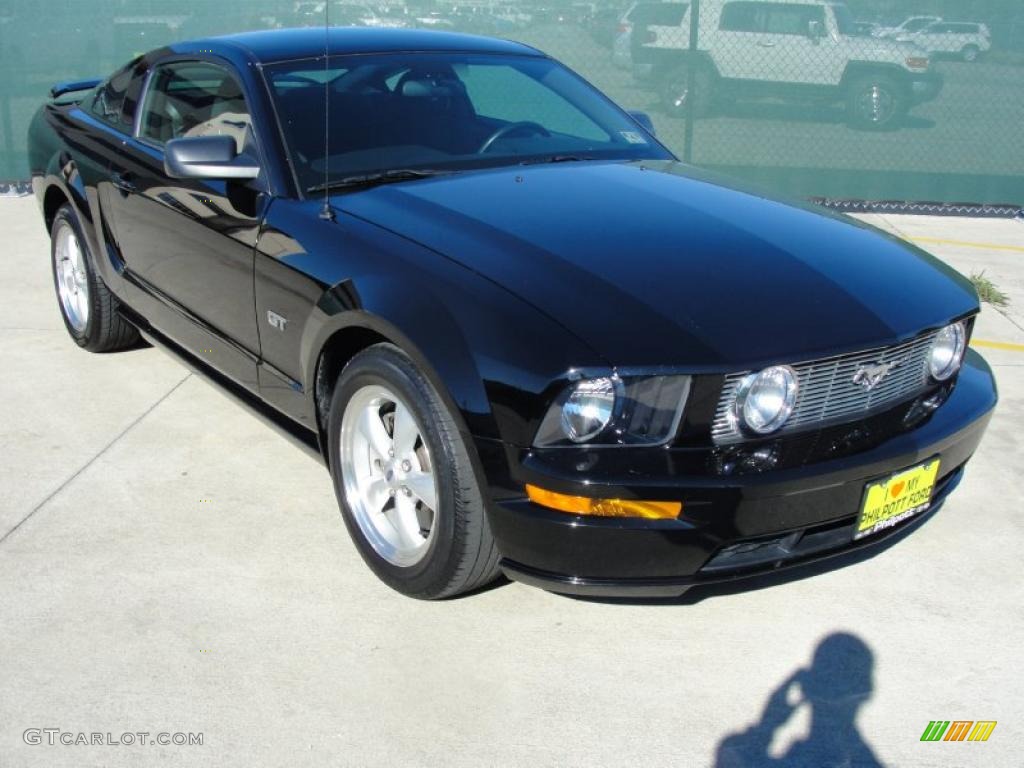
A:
(444, 112)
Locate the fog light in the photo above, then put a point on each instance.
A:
(765, 400)
(582, 505)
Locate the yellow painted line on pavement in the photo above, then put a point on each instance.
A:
(969, 244)
(997, 345)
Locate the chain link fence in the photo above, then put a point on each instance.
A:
(883, 100)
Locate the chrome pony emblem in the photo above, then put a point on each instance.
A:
(870, 376)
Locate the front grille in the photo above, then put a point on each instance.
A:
(827, 393)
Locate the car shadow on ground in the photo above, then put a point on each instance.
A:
(838, 682)
(700, 593)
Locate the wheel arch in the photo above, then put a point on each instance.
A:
(856, 69)
(53, 199)
(448, 365)
(678, 57)
(63, 184)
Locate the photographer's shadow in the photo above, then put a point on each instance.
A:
(835, 686)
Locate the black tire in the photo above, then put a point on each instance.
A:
(970, 53)
(461, 554)
(105, 330)
(675, 94)
(875, 102)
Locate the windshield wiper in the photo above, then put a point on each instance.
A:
(377, 177)
(558, 159)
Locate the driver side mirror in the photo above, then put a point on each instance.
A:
(815, 30)
(645, 121)
(207, 157)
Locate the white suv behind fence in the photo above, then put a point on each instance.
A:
(967, 40)
(796, 50)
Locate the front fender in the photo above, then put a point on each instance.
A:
(393, 310)
(491, 356)
(488, 352)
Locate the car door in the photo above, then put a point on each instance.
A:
(744, 48)
(188, 244)
(803, 50)
(944, 38)
(771, 42)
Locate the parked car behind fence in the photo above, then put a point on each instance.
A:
(964, 40)
(797, 50)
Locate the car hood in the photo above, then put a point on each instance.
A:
(656, 263)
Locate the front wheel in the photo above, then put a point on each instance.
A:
(970, 53)
(404, 479)
(875, 102)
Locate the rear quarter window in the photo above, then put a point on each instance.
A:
(115, 100)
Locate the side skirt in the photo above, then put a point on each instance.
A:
(304, 438)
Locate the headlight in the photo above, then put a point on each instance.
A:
(947, 351)
(631, 410)
(589, 409)
(764, 400)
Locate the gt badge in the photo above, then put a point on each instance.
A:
(276, 321)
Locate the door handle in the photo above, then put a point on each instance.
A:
(123, 182)
(766, 44)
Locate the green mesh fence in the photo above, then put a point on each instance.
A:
(869, 99)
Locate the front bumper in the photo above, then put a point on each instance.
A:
(731, 526)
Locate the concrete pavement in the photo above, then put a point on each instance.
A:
(169, 564)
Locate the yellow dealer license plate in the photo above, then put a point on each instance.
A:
(891, 501)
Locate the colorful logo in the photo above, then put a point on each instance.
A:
(958, 730)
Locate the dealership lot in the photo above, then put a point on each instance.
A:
(169, 564)
(977, 100)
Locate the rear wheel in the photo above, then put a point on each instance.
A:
(970, 53)
(677, 95)
(404, 480)
(875, 102)
(87, 306)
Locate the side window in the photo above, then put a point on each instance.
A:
(785, 19)
(742, 17)
(115, 100)
(194, 98)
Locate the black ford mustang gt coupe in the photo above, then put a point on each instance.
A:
(522, 336)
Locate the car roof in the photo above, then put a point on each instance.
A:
(272, 45)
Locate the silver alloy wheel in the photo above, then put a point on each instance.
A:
(877, 104)
(72, 281)
(388, 475)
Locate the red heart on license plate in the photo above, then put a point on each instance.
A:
(898, 488)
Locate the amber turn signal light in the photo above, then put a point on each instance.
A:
(582, 505)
